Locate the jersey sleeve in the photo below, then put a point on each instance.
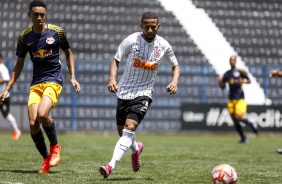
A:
(63, 41)
(21, 46)
(225, 78)
(244, 74)
(123, 50)
(170, 57)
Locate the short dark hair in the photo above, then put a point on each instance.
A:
(36, 3)
(149, 15)
(1, 55)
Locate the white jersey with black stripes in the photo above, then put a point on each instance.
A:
(142, 63)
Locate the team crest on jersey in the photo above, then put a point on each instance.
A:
(50, 40)
(236, 74)
(156, 52)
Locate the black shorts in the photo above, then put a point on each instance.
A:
(132, 109)
(5, 106)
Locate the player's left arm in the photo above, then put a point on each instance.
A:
(170, 57)
(244, 78)
(172, 87)
(71, 67)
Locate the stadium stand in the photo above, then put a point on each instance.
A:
(95, 28)
(253, 28)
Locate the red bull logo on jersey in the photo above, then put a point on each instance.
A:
(144, 65)
(41, 53)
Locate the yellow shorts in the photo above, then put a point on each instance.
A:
(50, 89)
(237, 106)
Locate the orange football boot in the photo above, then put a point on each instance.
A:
(45, 166)
(16, 135)
(55, 155)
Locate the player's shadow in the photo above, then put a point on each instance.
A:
(25, 171)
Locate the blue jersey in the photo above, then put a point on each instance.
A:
(232, 78)
(44, 51)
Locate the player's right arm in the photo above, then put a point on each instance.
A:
(220, 82)
(14, 76)
(275, 73)
(113, 86)
(123, 50)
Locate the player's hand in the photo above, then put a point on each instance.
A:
(273, 73)
(76, 84)
(220, 83)
(3, 95)
(171, 88)
(113, 86)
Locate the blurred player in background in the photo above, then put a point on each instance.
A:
(142, 52)
(43, 42)
(236, 105)
(5, 105)
(276, 73)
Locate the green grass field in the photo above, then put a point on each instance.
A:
(169, 158)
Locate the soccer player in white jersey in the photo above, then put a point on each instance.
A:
(143, 52)
(5, 106)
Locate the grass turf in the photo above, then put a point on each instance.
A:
(184, 158)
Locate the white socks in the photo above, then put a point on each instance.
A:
(12, 121)
(124, 143)
(134, 146)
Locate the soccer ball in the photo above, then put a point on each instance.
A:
(224, 174)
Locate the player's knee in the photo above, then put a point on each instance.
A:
(33, 122)
(131, 125)
(5, 114)
(42, 116)
(238, 117)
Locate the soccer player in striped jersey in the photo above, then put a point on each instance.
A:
(43, 42)
(276, 73)
(142, 52)
(236, 105)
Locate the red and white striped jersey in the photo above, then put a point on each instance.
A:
(142, 64)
